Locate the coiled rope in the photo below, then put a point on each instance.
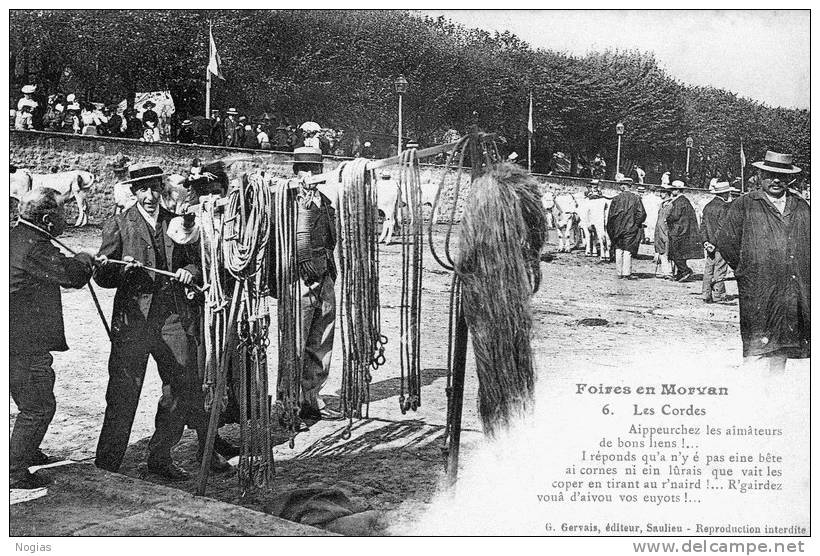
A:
(247, 228)
(360, 330)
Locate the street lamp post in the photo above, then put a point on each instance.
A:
(689, 144)
(401, 88)
(619, 129)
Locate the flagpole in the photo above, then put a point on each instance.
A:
(742, 165)
(208, 75)
(529, 139)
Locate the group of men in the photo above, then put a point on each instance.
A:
(152, 316)
(764, 236)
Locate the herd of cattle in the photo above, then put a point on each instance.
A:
(576, 217)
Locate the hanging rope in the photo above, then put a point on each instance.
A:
(360, 331)
(247, 227)
(411, 263)
(286, 290)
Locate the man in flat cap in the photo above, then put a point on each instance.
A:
(37, 272)
(765, 237)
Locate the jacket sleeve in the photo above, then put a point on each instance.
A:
(45, 263)
(730, 233)
(704, 225)
(640, 212)
(110, 275)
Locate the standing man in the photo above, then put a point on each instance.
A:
(232, 128)
(626, 216)
(684, 237)
(315, 242)
(714, 268)
(150, 119)
(765, 237)
(152, 316)
(662, 236)
(37, 271)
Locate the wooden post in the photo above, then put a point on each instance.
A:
(221, 380)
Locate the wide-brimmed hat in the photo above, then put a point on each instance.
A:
(307, 154)
(777, 162)
(641, 189)
(310, 127)
(29, 89)
(232, 111)
(148, 105)
(677, 184)
(141, 172)
(724, 187)
(187, 123)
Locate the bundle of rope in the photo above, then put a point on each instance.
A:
(502, 231)
(360, 329)
(285, 288)
(411, 264)
(247, 227)
(215, 307)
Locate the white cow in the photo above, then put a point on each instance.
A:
(593, 215)
(70, 184)
(651, 205)
(391, 199)
(564, 211)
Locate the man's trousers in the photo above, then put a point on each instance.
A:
(714, 268)
(175, 354)
(31, 383)
(318, 328)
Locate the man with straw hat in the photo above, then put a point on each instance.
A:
(152, 316)
(37, 271)
(714, 267)
(765, 237)
(684, 237)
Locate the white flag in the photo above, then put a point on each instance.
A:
(214, 63)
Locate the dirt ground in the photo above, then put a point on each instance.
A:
(393, 463)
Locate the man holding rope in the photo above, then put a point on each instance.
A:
(152, 316)
(37, 271)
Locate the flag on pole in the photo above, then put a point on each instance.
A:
(529, 122)
(742, 155)
(215, 62)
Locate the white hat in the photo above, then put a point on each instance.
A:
(29, 89)
(513, 156)
(724, 187)
(70, 98)
(777, 162)
(678, 184)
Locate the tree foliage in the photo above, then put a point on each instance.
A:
(338, 68)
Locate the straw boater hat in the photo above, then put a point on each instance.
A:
(232, 111)
(187, 123)
(677, 184)
(777, 162)
(29, 89)
(724, 187)
(142, 172)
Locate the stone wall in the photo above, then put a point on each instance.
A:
(43, 152)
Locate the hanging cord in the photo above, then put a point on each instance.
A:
(410, 306)
(289, 307)
(247, 234)
(361, 338)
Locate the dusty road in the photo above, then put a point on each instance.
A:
(393, 462)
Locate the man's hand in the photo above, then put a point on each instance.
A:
(100, 260)
(709, 247)
(132, 265)
(184, 276)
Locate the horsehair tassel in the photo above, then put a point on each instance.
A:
(501, 231)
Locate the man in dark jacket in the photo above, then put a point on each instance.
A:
(37, 271)
(315, 241)
(714, 267)
(626, 216)
(765, 237)
(152, 316)
(684, 236)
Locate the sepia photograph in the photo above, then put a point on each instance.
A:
(410, 272)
